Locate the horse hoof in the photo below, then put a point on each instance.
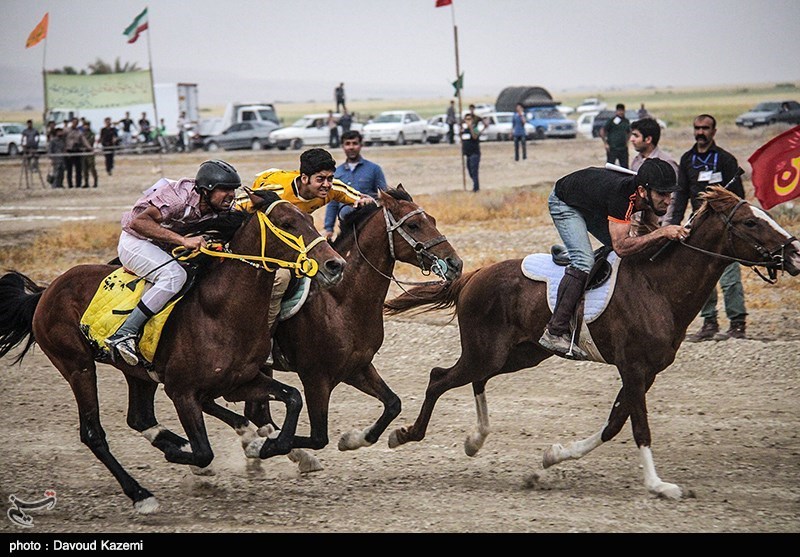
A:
(306, 462)
(394, 439)
(207, 471)
(253, 450)
(247, 435)
(473, 444)
(352, 440)
(668, 491)
(146, 506)
(551, 455)
(267, 431)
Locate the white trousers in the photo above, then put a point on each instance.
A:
(145, 259)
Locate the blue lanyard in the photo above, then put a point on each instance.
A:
(703, 162)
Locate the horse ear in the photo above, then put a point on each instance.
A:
(401, 188)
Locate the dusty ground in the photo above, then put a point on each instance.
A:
(725, 416)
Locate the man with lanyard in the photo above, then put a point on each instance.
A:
(600, 202)
(704, 165)
(357, 172)
(155, 225)
(309, 188)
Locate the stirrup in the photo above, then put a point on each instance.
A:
(125, 346)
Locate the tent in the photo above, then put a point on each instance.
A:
(526, 96)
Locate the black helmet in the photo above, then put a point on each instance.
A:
(216, 174)
(658, 175)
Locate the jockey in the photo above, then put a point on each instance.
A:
(601, 202)
(155, 225)
(311, 187)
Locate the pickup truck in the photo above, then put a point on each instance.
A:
(549, 122)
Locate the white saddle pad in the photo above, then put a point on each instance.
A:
(540, 267)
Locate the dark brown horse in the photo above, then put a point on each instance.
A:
(501, 314)
(346, 321)
(208, 348)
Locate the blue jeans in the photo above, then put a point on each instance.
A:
(732, 293)
(574, 229)
(473, 162)
(520, 140)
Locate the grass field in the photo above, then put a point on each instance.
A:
(676, 106)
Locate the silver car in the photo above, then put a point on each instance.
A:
(244, 135)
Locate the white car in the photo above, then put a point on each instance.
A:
(438, 129)
(585, 122)
(591, 105)
(311, 129)
(499, 128)
(396, 127)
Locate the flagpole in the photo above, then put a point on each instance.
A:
(44, 80)
(153, 88)
(458, 92)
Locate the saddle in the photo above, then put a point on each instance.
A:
(601, 270)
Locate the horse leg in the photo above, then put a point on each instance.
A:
(80, 371)
(264, 388)
(190, 414)
(142, 417)
(369, 382)
(476, 439)
(246, 431)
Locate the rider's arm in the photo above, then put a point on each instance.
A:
(148, 224)
(625, 244)
(343, 193)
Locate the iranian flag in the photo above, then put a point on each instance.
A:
(136, 28)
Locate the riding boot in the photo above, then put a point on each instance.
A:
(557, 335)
(124, 340)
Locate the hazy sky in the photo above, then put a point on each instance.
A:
(298, 50)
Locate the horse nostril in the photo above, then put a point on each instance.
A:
(334, 266)
(454, 263)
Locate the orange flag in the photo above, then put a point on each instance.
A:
(39, 32)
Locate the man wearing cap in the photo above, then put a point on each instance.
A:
(600, 202)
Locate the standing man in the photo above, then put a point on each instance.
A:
(89, 167)
(333, 130)
(362, 175)
(518, 132)
(30, 145)
(615, 134)
(645, 135)
(127, 129)
(704, 165)
(451, 122)
(338, 94)
(471, 146)
(600, 202)
(345, 120)
(76, 145)
(109, 139)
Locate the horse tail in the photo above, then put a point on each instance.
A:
(437, 296)
(19, 297)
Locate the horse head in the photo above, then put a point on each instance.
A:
(749, 235)
(286, 237)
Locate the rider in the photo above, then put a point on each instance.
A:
(601, 202)
(311, 187)
(156, 224)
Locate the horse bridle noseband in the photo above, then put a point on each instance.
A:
(773, 260)
(437, 266)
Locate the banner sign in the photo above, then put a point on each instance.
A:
(98, 91)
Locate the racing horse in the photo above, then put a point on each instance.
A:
(207, 349)
(501, 314)
(346, 320)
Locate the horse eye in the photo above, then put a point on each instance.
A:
(413, 226)
(751, 223)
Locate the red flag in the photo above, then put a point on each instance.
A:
(776, 169)
(440, 3)
(39, 32)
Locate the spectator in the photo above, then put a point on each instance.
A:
(615, 134)
(451, 122)
(57, 148)
(704, 165)
(109, 139)
(645, 135)
(471, 146)
(76, 147)
(333, 130)
(127, 129)
(88, 161)
(518, 132)
(643, 112)
(144, 128)
(345, 120)
(30, 145)
(362, 175)
(338, 95)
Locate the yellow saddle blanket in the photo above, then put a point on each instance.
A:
(112, 303)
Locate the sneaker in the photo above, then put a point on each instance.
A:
(560, 345)
(707, 331)
(736, 330)
(125, 347)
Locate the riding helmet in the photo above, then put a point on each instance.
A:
(216, 174)
(658, 175)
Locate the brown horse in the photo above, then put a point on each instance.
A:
(501, 314)
(208, 348)
(346, 321)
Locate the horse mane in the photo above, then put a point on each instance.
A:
(722, 199)
(356, 219)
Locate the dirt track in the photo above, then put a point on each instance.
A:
(725, 416)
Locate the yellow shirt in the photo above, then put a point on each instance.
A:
(283, 183)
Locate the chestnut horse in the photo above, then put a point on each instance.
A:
(346, 320)
(501, 314)
(208, 348)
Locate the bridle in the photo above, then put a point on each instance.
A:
(773, 259)
(436, 265)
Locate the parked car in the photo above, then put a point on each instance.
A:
(584, 123)
(481, 109)
(591, 105)
(790, 114)
(11, 139)
(397, 127)
(547, 121)
(499, 128)
(768, 113)
(606, 115)
(438, 128)
(311, 129)
(244, 135)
